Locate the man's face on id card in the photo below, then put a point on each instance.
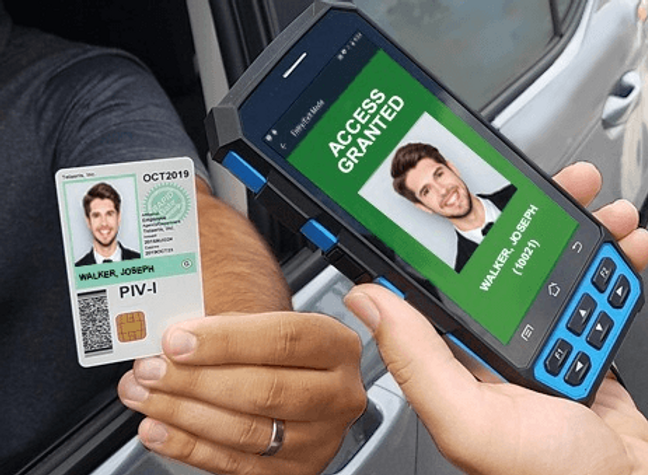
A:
(103, 221)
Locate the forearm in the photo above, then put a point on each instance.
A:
(240, 273)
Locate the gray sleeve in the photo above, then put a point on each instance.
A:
(108, 109)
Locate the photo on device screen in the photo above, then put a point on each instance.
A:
(439, 191)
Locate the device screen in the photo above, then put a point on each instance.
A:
(410, 170)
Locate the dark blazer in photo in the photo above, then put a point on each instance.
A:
(89, 259)
(466, 247)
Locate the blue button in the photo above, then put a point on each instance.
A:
(388, 285)
(244, 171)
(319, 235)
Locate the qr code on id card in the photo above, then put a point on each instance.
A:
(95, 322)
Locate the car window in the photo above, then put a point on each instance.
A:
(476, 48)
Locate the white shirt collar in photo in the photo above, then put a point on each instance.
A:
(491, 213)
(116, 256)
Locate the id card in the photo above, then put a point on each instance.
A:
(130, 233)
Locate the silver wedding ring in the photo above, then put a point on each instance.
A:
(276, 439)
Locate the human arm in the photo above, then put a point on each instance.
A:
(503, 428)
(211, 398)
(239, 272)
(106, 108)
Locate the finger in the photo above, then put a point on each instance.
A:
(620, 217)
(440, 389)
(281, 338)
(635, 247)
(582, 180)
(175, 443)
(612, 396)
(243, 432)
(615, 406)
(284, 393)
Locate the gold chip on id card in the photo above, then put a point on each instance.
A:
(131, 326)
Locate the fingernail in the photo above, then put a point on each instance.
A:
(131, 391)
(363, 308)
(181, 342)
(154, 434)
(150, 369)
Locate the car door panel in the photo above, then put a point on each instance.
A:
(590, 107)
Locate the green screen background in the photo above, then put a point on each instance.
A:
(502, 307)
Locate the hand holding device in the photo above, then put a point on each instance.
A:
(211, 399)
(350, 142)
(504, 428)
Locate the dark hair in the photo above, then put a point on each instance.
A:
(102, 191)
(406, 158)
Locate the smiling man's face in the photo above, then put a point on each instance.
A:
(439, 188)
(103, 221)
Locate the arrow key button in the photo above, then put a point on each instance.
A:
(600, 331)
(581, 315)
(620, 292)
(578, 369)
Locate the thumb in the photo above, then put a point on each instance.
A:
(434, 382)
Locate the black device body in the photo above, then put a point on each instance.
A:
(544, 300)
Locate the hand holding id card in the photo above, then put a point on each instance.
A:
(132, 255)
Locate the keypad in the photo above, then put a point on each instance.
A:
(577, 350)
